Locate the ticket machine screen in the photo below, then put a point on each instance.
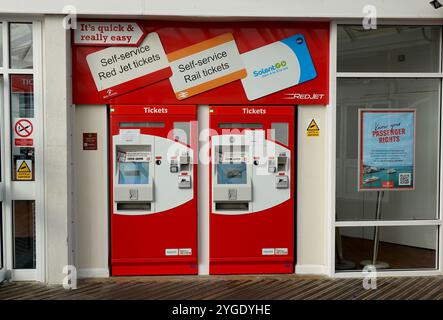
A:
(231, 173)
(133, 173)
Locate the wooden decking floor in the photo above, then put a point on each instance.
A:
(230, 288)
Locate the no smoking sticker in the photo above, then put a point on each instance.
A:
(23, 128)
(23, 132)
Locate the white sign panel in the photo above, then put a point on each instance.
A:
(96, 33)
(277, 66)
(118, 70)
(205, 65)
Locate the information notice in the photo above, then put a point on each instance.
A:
(387, 149)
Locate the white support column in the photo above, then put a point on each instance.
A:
(311, 197)
(57, 154)
(203, 190)
(91, 193)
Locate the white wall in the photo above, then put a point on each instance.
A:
(91, 192)
(312, 242)
(57, 148)
(230, 8)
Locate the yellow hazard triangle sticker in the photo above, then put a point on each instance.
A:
(24, 172)
(313, 130)
(24, 167)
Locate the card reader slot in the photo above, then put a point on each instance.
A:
(240, 206)
(133, 206)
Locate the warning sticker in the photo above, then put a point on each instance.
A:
(24, 171)
(23, 128)
(23, 142)
(23, 132)
(313, 130)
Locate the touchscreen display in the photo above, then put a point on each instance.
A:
(133, 173)
(231, 173)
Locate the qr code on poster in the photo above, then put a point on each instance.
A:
(404, 179)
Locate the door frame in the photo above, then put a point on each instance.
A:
(16, 190)
(2, 251)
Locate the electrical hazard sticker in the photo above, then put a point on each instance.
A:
(24, 170)
(313, 130)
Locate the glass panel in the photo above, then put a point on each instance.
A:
(280, 132)
(20, 37)
(22, 127)
(388, 49)
(133, 173)
(24, 234)
(182, 132)
(1, 45)
(404, 247)
(423, 95)
(1, 108)
(231, 173)
(1, 237)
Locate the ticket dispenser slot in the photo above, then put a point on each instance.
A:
(282, 161)
(133, 190)
(232, 186)
(282, 178)
(181, 165)
(184, 162)
(184, 182)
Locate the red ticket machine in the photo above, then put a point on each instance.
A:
(153, 196)
(252, 189)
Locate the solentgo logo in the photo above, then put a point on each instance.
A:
(263, 72)
(155, 110)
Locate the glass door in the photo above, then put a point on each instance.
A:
(20, 186)
(2, 189)
(2, 258)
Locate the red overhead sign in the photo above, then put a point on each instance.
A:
(209, 63)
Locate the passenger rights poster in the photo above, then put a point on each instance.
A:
(386, 149)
